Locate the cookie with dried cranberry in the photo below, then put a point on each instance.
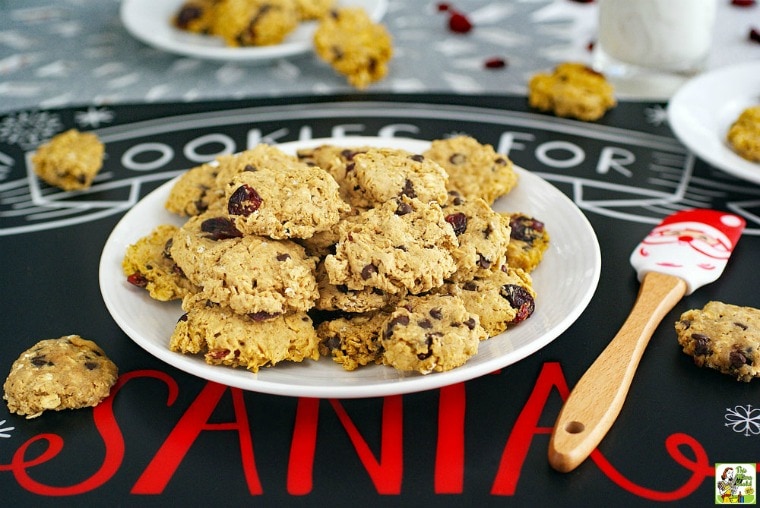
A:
(744, 134)
(529, 241)
(56, 374)
(402, 245)
(249, 341)
(723, 337)
(339, 162)
(572, 90)
(352, 340)
(431, 333)
(503, 299)
(474, 169)
(194, 16)
(249, 274)
(483, 236)
(294, 201)
(314, 9)
(261, 156)
(195, 191)
(383, 174)
(253, 22)
(70, 160)
(148, 264)
(354, 46)
(334, 297)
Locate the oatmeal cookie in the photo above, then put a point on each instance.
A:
(529, 239)
(339, 162)
(723, 337)
(483, 236)
(148, 264)
(354, 45)
(314, 9)
(430, 333)
(340, 298)
(572, 90)
(236, 340)
(288, 202)
(352, 340)
(253, 22)
(474, 169)
(195, 191)
(70, 160)
(744, 134)
(249, 274)
(503, 299)
(383, 174)
(402, 245)
(65, 373)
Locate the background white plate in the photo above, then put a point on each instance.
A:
(150, 22)
(701, 112)
(565, 282)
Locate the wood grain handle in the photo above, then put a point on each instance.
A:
(597, 398)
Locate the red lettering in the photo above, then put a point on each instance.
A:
(701, 469)
(449, 458)
(303, 446)
(105, 422)
(160, 470)
(526, 427)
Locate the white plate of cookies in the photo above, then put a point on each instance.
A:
(564, 282)
(153, 23)
(702, 111)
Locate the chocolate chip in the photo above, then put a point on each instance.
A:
(458, 158)
(403, 209)
(417, 157)
(701, 344)
(408, 189)
(41, 361)
(483, 262)
(436, 313)
(283, 256)
(90, 365)
(471, 323)
(403, 320)
(737, 359)
(458, 221)
(426, 324)
(368, 271)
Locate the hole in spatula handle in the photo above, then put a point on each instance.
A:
(575, 427)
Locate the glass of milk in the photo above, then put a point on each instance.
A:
(649, 47)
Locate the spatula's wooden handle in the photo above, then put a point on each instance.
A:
(596, 400)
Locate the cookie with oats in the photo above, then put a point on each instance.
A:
(744, 134)
(352, 340)
(529, 239)
(572, 90)
(70, 160)
(56, 374)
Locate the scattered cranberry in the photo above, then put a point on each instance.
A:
(459, 23)
(443, 7)
(743, 3)
(495, 63)
(583, 1)
(754, 35)
(590, 45)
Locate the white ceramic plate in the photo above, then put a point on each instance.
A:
(150, 22)
(701, 112)
(565, 282)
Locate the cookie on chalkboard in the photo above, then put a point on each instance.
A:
(572, 90)
(65, 373)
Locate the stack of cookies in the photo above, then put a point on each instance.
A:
(366, 255)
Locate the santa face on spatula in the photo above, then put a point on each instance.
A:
(694, 245)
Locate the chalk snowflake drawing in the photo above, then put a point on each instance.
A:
(5, 431)
(28, 129)
(743, 419)
(656, 115)
(93, 117)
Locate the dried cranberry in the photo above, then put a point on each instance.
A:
(495, 63)
(459, 23)
(743, 3)
(754, 35)
(524, 228)
(137, 279)
(244, 201)
(520, 299)
(218, 354)
(220, 228)
(187, 14)
(261, 316)
(458, 221)
(443, 6)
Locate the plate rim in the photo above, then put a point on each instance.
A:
(401, 384)
(130, 10)
(708, 141)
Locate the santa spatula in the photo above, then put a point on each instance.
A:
(686, 251)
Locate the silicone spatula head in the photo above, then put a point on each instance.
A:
(693, 245)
